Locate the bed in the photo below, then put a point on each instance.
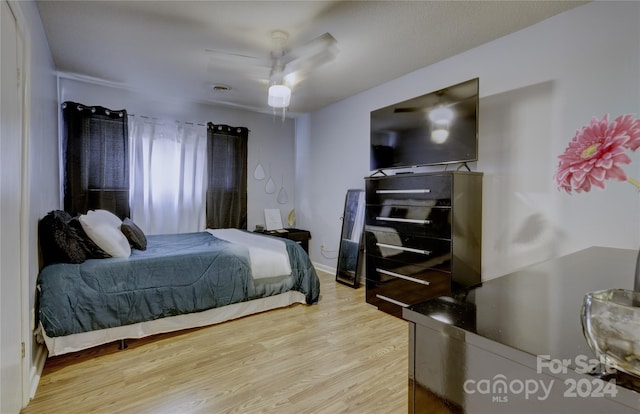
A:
(178, 281)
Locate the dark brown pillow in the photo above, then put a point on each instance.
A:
(61, 242)
(93, 250)
(134, 234)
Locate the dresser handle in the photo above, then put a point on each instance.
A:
(404, 249)
(403, 220)
(405, 277)
(417, 191)
(395, 302)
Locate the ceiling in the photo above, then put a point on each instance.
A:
(163, 48)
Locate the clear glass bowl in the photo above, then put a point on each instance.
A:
(611, 325)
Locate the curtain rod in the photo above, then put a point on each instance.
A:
(175, 120)
(94, 108)
(184, 122)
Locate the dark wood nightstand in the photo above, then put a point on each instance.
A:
(299, 236)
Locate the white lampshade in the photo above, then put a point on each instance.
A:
(439, 135)
(279, 96)
(441, 115)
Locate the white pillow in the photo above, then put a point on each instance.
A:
(103, 231)
(108, 216)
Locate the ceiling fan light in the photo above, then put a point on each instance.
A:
(279, 96)
(441, 114)
(439, 136)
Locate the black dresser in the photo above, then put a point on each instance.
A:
(423, 236)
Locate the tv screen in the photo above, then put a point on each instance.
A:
(440, 127)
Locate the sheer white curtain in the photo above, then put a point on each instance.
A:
(168, 172)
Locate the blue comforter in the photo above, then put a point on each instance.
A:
(177, 274)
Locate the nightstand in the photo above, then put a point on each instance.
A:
(299, 236)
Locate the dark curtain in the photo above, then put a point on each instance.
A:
(96, 159)
(227, 176)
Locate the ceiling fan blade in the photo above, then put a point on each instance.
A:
(223, 57)
(406, 110)
(316, 46)
(300, 62)
(218, 69)
(426, 104)
(298, 69)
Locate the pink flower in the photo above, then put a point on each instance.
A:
(596, 152)
(626, 125)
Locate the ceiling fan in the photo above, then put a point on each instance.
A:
(284, 68)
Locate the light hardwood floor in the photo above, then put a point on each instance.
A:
(340, 356)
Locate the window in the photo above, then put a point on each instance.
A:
(169, 173)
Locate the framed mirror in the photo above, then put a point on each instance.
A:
(351, 239)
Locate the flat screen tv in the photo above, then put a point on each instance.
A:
(440, 127)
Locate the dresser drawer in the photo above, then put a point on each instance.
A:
(404, 247)
(393, 294)
(417, 187)
(432, 221)
(379, 268)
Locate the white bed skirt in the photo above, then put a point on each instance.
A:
(76, 342)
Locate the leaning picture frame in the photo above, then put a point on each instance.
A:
(272, 218)
(349, 254)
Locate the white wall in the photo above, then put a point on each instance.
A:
(537, 87)
(271, 141)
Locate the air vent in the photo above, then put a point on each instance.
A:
(219, 88)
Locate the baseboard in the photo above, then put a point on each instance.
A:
(332, 270)
(324, 268)
(36, 369)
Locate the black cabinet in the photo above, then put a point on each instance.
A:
(423, 236)
(299, 236)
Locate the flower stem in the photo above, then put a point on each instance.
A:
(634, 182)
